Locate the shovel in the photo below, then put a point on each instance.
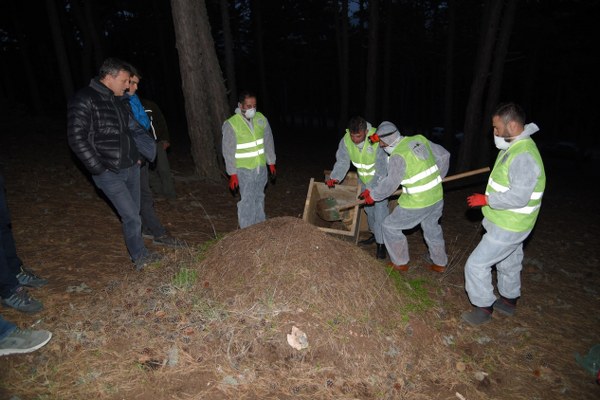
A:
(329, 210)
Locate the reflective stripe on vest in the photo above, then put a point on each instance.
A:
(363, 159)
(515, 219)
(422, 185)
(249, 150)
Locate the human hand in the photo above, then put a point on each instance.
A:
(233, 182)
(366, 195)
(272, 170)
(476, 200)
(165, 144)
(331, 183)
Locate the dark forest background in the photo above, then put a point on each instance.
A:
(428, 66)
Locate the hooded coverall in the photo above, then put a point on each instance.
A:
(414, 163)
(247, 149)
(369, 173)
(514, 195)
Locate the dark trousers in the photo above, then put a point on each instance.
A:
(10, 263)
(150, 221)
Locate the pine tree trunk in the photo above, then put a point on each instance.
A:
(344, 63)
(448, 140)
(229, 57)
(508, 18)
(59, 48)
(203, 87)
(480, 76)
(372, 61)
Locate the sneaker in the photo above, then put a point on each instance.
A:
(167, 240)
(146, 260)
(147, 234)
(22, 301)
(23, 341)
(477, 316)
(27, 278)
(504, 306)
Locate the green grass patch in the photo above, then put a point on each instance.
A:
(414, 292)
(185, 278)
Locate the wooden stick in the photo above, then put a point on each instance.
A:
(446, 179)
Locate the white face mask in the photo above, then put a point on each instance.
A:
(500, 143)
(250, 113)
(390, 148)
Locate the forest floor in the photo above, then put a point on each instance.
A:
(212, 320)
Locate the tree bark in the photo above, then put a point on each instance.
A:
(343, 62)
(387, 62)
(263, 98)
(229, 57)
(59, 48)
(480, 76)
(493, 97)
(372, 61)
(448, 140)
(203, 87)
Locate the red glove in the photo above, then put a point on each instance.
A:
(331, 182)
(476, 200)
(374, 138)
(272, 169)
(366, 195)
(233, 182)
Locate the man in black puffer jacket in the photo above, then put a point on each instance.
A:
(108, 141)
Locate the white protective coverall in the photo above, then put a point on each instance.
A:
(499, 246)
(407, 218)
(252, 182)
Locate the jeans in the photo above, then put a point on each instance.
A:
(150, 221)
(123, 190)
(6, 328)
(10, 263)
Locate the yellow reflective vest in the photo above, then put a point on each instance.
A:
(422, 183)
(515, 219)
(250, 148)
(363, 159)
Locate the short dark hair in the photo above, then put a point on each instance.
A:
(112, 66)
(135, 71)
(357, 124)
(244, 94)
(510, 112)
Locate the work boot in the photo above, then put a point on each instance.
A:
(369, 240)
(381, 253)
(401, 268)
(435, 268)
(505, 306)
(431, 266)
(478, 315)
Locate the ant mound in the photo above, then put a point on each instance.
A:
(303, 298)
(286, 265)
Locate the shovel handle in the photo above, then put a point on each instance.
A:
(446, 179)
